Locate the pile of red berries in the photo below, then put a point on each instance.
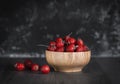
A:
(67, 44)
(28, 64)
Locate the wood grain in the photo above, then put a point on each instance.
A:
(68, 61)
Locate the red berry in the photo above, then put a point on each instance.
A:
(60, 49)
(51, 48)
(71, 40)
(28, 63)
(34, 67)
(85, 48)
(70, 48)
(19, 66)
(80, 42)
(66, 38)
(82, 48)
(59, 39)
(45, 69)
(52, 43)
(79, 49)
(59, 44)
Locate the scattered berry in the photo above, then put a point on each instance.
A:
(19, 66)
(45, 69)
(34, 67)
(28, 63)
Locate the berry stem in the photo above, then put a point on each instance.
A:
(69, 34)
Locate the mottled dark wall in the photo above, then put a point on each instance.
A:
(25, 24)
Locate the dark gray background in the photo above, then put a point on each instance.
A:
(27, 23)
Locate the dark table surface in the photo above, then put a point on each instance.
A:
(98, 71)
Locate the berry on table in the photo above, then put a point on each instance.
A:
(34, 67)
(45, 69)
(19, 66)
(28, 63)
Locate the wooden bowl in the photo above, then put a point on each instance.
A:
(68, 61)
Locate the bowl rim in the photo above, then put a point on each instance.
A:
(68, 52)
